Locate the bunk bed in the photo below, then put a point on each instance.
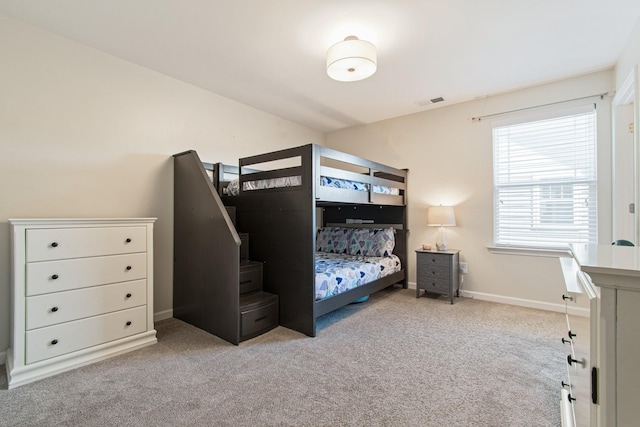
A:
(286, 199)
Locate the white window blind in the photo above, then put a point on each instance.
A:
(545, 181)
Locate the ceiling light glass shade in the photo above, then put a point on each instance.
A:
(352, 60)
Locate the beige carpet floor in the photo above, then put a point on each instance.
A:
(392, 361)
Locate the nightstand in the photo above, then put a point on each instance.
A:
(438, 272)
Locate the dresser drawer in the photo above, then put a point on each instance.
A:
(54, 276)
(52, 341)
(436, 285)
(51, 309)
(64, 243)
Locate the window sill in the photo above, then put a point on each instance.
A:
(543, 252)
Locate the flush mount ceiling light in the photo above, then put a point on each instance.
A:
(351, 60)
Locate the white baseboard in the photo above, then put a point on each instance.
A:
(162, 315)
(520, 302)
(3, 357)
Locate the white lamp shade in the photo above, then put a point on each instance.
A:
(351, 60)
(439, 216)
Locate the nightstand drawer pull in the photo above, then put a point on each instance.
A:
(571, 398)
(54, 309)
(129, 323)
(566, 341)
(565, 384)
(128, 267)
(128, 240)
(54, 342)
(54, 244)
(571, 335)
(128, 295)
(565, 297)
(54, 277)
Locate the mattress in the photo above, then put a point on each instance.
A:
(338, 273)
(293, 181)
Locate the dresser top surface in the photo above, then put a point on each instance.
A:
(608, 259)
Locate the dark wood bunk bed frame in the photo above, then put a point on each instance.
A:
(283, 222)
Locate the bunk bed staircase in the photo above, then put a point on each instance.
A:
(216, 286)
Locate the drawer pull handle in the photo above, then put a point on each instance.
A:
(571, 361)
(571, 398)
(565, 297)
(128, 267)
(565, 341)
(128, 295)
(565, 384)
(129, 323)
(54, 244)
(571, 335)
(54, 309)
(128, 240)
(54, 342)
(54, 277)
(260, 318)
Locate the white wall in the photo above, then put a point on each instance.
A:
(83, 134)
(630, 56)
(449, 158)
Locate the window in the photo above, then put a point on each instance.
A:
(545, 181)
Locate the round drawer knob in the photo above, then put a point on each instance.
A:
(128, 267)
(571, 398)
(54, 342)
(565, 341)
(565, 297)
(564, 385)
(128, 295)
(128, 240)
(54, 244)
(54, 277)
(54, 309)
(129, 323)
(571, 335)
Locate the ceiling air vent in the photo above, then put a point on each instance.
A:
(425, 102)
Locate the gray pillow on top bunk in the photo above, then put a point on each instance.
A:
(376, 242)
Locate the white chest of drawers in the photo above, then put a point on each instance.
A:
(82, 291)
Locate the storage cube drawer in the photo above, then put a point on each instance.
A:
(250, 276)
(51, 309)
(56, 340)
(55, 276)
(64, 243)
(259, 320)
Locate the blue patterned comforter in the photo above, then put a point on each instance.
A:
(337, 273)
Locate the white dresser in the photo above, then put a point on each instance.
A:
(610, 278)
(82, 291)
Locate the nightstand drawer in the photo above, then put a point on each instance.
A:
(428, 272)
(436, 260)
(436, 285)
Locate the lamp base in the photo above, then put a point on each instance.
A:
(441, 239)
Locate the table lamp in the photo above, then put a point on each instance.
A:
(441, 216)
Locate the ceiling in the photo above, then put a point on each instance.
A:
(270, 54)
